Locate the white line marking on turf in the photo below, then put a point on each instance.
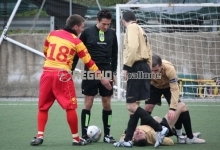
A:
(26, 104)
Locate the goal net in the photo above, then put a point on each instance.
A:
(186, 35)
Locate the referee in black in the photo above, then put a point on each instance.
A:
(101, 42)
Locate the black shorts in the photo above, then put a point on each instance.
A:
(93, 87)
(138, 89)
(155, 95)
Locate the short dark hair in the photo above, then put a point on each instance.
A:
(140, 143)
(104, 14)
(74, 20)
(129, 16)
(156, 60)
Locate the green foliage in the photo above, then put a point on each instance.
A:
(32, 13)
(102, 2)
(82, 2)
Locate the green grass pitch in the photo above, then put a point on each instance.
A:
(18, 126)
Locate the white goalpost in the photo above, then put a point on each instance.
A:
(188, 35)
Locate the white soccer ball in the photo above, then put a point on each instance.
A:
(94, 132)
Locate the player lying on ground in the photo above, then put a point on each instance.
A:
(145, 135)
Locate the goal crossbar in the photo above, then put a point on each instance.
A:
(167, 5)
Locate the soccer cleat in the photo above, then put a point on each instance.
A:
(81, 142)
(87, 139)
(123, 144)
(36, 141)
(161, 135)
(194, 140)
(197, 134)
(109, 139)
(181, 139)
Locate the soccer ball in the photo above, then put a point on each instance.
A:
(94, 132)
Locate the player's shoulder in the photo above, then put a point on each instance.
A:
(89, 29)
(133, 25)
(166, 64)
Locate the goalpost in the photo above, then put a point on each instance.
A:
(188, 35)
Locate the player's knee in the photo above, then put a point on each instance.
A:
(149, 107)
(158, 119)
(88, 104)
(132, 107)
(182, 106)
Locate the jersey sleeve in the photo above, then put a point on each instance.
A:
(46, 45)
(132, 45)
(174, 88)
(83, 54)
(167, 141)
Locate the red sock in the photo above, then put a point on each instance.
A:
(42, 120)
(72, 120)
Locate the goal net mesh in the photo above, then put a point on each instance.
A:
(186, 35)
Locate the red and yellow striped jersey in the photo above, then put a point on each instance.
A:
(61, 46)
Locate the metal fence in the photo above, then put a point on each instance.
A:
(26, 23)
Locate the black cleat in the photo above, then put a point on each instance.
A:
(109, 139)
(36, 141)
(87, 139)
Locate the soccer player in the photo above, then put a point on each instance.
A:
(137, 58)
(56, 80)
(102, 45)
(168, 86)
(145, 135)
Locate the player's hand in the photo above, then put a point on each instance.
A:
(171, 115)
(106, 83)
(125, 74)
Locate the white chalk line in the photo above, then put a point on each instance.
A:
(113, 104)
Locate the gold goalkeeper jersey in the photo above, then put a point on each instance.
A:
(168, 79)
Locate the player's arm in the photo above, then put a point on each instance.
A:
(114, 61)
(132, 46)
(46, 45)
(149, 50)
(83, 54)
(174, 88)
(76, 57)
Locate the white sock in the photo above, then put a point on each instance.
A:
(179, 132)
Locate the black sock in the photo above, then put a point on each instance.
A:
(142, 121)
(147, 119)
(178, 124)
(85, 118)
(107, 118)
(185, 117)
(132, 124)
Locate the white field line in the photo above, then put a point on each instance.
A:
(113, 104)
